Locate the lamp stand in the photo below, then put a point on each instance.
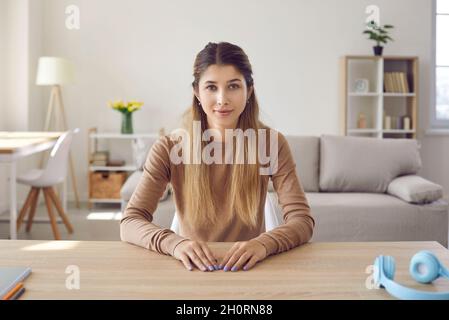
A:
(60, 115)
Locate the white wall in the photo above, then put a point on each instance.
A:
(15, 64)
(37, 109)
(144, 50)
(435, 155)
(14, 69)
(2, 94)
(2, 62)
(20, 45)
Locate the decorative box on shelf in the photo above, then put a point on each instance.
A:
(106, 184)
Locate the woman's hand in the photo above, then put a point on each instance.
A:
(195, 253)
(244, 255)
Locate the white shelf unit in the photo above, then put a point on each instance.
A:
(376, 104)
(361, 94)
(112, 135)
(111, 168)
(93, 139)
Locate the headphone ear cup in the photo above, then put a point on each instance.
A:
(389, 266)
(431, 266)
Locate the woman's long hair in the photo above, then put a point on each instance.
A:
(243, 191)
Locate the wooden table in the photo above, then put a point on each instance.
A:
(117, 270)
(16, 145)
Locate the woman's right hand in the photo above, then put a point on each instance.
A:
(195, 254)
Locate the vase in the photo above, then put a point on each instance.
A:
(127, 123)
(378, 50)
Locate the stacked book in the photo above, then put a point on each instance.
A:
(396, 82)
(11, 282)
(100, 158)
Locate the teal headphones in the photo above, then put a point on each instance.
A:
(424, 268)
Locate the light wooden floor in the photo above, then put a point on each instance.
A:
(102, 222)
(95, 224)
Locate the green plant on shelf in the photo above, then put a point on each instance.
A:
(379, 34)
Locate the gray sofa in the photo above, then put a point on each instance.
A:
(359, 189)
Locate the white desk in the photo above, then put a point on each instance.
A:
(16, 145)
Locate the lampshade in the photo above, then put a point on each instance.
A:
(54, 70)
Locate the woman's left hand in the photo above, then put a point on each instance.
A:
(243, 255)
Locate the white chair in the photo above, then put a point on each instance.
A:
(54, 173)
(273, 215)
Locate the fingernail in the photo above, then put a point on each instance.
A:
(220, 267)
(234, 268)
(245, 268)
(190, 268)
(225, 269)
(211, 268)
(216, 267)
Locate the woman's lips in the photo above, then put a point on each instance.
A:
(223, 113)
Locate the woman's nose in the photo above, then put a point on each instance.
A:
(221, 98)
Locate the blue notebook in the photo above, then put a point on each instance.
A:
(10, 276)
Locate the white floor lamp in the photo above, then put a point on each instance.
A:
(55, 71)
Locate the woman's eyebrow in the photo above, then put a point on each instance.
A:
(209, 81)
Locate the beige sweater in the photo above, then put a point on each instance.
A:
(136, 226)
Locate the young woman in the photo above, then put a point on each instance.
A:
(219, 201)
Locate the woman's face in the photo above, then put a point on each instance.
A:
(223, 93)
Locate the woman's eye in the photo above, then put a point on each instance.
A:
(234, 86)
(210, 87)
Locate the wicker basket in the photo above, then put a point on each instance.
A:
(106, 185)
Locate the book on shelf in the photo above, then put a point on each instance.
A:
(404, 82)
(100, 155)
(101, 163)
(108, 163)
(11, 281)
(396, 82)
(397, 122)
(99, 158)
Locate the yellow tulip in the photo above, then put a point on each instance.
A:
(118, 104)
(129, 106)
(136, 103)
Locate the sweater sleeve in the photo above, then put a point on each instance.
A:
(135, 225)
(298, 222)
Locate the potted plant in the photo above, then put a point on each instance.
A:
(126, 109)
(379, 34)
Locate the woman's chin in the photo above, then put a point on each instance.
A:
(229, 119)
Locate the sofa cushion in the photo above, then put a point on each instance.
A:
(373, 217)
(414, 189)
(359, 164)
(131, 183)
(376, 217)
(141, 147)
(306, 153)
